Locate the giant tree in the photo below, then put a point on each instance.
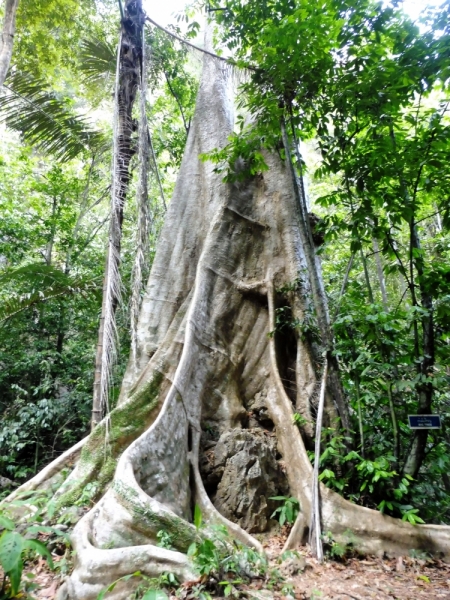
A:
(208, 345)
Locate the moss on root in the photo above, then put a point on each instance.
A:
(112, 436)
(182, 532)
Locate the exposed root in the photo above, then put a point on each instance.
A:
(369, 531)
(42, 479)
(96, 568)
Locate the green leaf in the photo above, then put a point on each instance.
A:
(15, 576)
(40, 548)
(98, 61)
(289, 512)
(197, 517)
(11, 546)
(45, 119)
(107, 589)
(192, 549)
(155, 595)
(6, 523)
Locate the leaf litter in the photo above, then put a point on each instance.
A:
(304, 578)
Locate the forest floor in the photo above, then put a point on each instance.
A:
(301, 577)
(361, 578)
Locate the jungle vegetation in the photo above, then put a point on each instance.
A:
(354, 97)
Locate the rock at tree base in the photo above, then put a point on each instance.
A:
(244, 461)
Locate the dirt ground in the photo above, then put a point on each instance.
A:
(402, 578)
(303, 578)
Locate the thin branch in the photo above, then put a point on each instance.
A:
(428, 217)
(344, 285)
(180, 39)
(172, 91)
(229, 61)
(91, 236)
(150, 143)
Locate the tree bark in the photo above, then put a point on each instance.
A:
(314, 287)
(9, 28)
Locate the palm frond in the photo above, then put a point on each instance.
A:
(98, 61)
(107, 338)
(45, 119)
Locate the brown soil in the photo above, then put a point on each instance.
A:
(361, 578)
(357, 578)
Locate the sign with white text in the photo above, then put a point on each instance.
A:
(424, 421)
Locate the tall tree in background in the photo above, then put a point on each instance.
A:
(230, 253)
(9, 27)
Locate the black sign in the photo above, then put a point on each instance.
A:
(424, 421)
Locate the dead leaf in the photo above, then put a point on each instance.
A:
(49, 592)
(399, 565)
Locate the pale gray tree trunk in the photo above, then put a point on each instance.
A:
(381, 281)
(9, 28)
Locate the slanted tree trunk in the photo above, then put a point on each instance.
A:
(204, 353)
(128, 77)
(9, 28)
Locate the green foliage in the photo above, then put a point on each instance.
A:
(145, 591)
(98, 62)
(288, 511)
(335, 549)
(51, 305)
(148, 589)
(207, 556)
(371, 482)
(173, 105)
(299, 419)
(14, 546)
(198, 518)
(165, 539)
(45, 119)
(219, 557)
(241, 158)
(46, 283)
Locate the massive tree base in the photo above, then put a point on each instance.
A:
(208, 346)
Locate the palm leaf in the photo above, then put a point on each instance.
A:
(45, 119)
(98, 61)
